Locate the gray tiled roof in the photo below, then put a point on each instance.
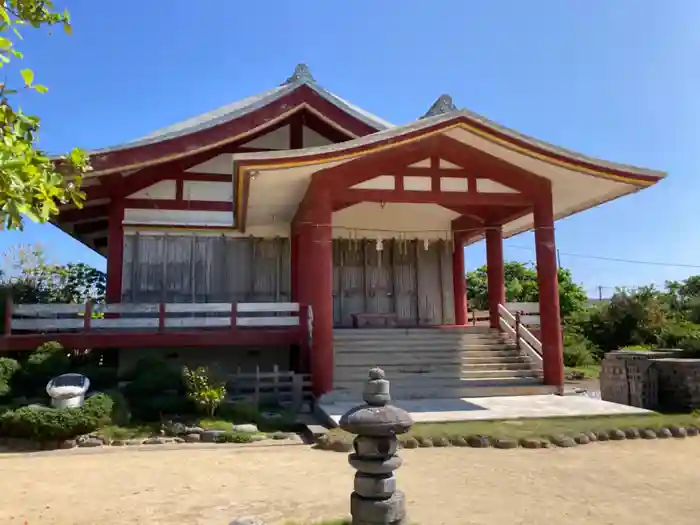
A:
(235, 110)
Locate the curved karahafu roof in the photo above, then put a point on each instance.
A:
(578, 182)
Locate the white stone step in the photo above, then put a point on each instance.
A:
(478, 354)
(506, 373)
(416, 343)
(507, 365)
(470, 360)
(412, 346)
(367, 359)
(465, 388)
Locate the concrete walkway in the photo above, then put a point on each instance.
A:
(501, 407)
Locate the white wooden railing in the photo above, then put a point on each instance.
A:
(513, 326)
(159, 316)
(529, 312)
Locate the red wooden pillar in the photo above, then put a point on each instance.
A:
(550, 320)
(294, 264)
(315, 287)
(115, 251)
(459, 282)
(494, 273)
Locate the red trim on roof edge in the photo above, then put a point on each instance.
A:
(127, 158)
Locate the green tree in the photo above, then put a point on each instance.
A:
(521, 286)
(34, 280)
(31, 183)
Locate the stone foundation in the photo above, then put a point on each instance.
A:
(661, 380)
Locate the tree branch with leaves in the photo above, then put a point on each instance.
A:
(32, 184)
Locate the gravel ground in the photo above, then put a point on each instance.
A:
(641, 482)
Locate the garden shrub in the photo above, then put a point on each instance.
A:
(236, 437)
(637, 348)
(47, 424)
(678, 334)
(577, 350)
(155, 389)
(121, 415)
(204, 389)
(99, 407)
(101, 377)
(239, 412)
(8, 368)
(46, 362)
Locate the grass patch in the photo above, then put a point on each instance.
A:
(589, 371)
(215, 424)
(537, 428)
(113, 432)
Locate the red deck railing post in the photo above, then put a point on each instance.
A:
(8, 316)
(161, 317)
(304, 349)
(87, 320)
(234, 315)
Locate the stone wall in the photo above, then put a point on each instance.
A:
(661, 380)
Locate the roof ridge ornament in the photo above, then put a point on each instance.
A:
(441, 106)
(301, 74)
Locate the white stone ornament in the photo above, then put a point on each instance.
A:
(68, 390)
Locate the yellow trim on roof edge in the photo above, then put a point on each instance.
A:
(525, 151)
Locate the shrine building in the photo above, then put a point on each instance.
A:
(293, 220)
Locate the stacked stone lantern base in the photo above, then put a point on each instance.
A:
(375, 500)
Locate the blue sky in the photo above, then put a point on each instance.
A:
(616, 80)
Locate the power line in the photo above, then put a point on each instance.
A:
(615, 259)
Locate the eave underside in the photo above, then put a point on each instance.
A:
(275, 184)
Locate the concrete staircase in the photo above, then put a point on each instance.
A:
(433, 363)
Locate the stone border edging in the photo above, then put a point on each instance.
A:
(237, 447)
(94, 442)
(326, 442)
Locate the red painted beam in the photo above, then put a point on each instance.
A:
(86, 228)
(230, 131)
(162, 204)
(175, 339)
(374, 164)
(444, 198)
(86, 213)
(439, 172)
(488, 166)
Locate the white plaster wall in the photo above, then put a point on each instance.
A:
(458, 184)
(207, 191)
(311, 139)
(219, 165)
(276, 139)
(491, 186)
(383, 182)
(178, 217)
(417, 183)
(414, 221)
(263, 232)
(164, 189)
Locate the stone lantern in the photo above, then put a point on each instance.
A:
(375, 500)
